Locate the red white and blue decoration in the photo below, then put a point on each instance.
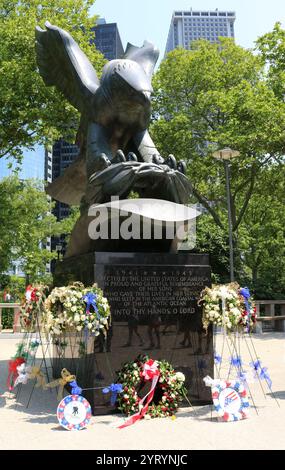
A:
(230, 400)
(74, 413)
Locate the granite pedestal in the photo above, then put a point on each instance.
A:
(153, 299)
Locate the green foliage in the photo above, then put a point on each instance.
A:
(30, 112)
(221, 95)
(25, 223)
(15, 285)
(272, 49)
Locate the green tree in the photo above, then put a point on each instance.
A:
(26, 222)
(208, 98)
(271, 47)
(262, 234)
(30, 112)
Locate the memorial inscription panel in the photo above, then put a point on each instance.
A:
(154, 311)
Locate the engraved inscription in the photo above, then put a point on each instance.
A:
(144, 290)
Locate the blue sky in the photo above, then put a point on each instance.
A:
(150, 19)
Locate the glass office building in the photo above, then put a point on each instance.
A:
(188, 26)
(32, 166)
(107, 39)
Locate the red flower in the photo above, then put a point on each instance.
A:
(34, 295)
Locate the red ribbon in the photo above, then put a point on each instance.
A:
(13, 373)
(150, 372)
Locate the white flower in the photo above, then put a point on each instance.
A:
(77, 318)
(83, 317)
(96, 333)
(147, 416)
(180, 376)
(74, 308)
(89, 326)
(79, 327)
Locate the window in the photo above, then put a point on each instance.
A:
(196, 13)
(231, 13)
(213, 13)
(204, 13)
(222, 14)
(178, 13)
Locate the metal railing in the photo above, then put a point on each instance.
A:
(16, 316)
(270, 315)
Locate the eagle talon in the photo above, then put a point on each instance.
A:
(181, 166)
(171, 162)
(119, 157)
(157, 159)
(132, 157)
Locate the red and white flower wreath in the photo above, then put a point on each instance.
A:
(166, 392)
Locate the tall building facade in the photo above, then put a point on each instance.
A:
(107, 39)
(188, 26)
(32, 166)
(63, 154)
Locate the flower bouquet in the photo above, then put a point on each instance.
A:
(78, 308)
(32, 305)
(227, 305)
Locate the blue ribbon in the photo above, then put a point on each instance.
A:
(265, 376)
(217, 358)
(256, 365)
(75, 389)
(90, 299)
(246, 295)
(242, 377)
(114, 389)
(236, 361)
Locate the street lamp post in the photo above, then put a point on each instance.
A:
(226, 155)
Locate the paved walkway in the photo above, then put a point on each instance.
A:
(36, 427)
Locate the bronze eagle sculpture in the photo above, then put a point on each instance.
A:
(119, 155)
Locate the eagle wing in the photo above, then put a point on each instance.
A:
(146, 56)
(63, 64)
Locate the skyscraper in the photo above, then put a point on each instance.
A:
(32, 165)
(107, 39)
(188, 26)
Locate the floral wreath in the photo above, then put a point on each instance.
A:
(78, 307)
(32, 305)
(229, 306)
(167, 389)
